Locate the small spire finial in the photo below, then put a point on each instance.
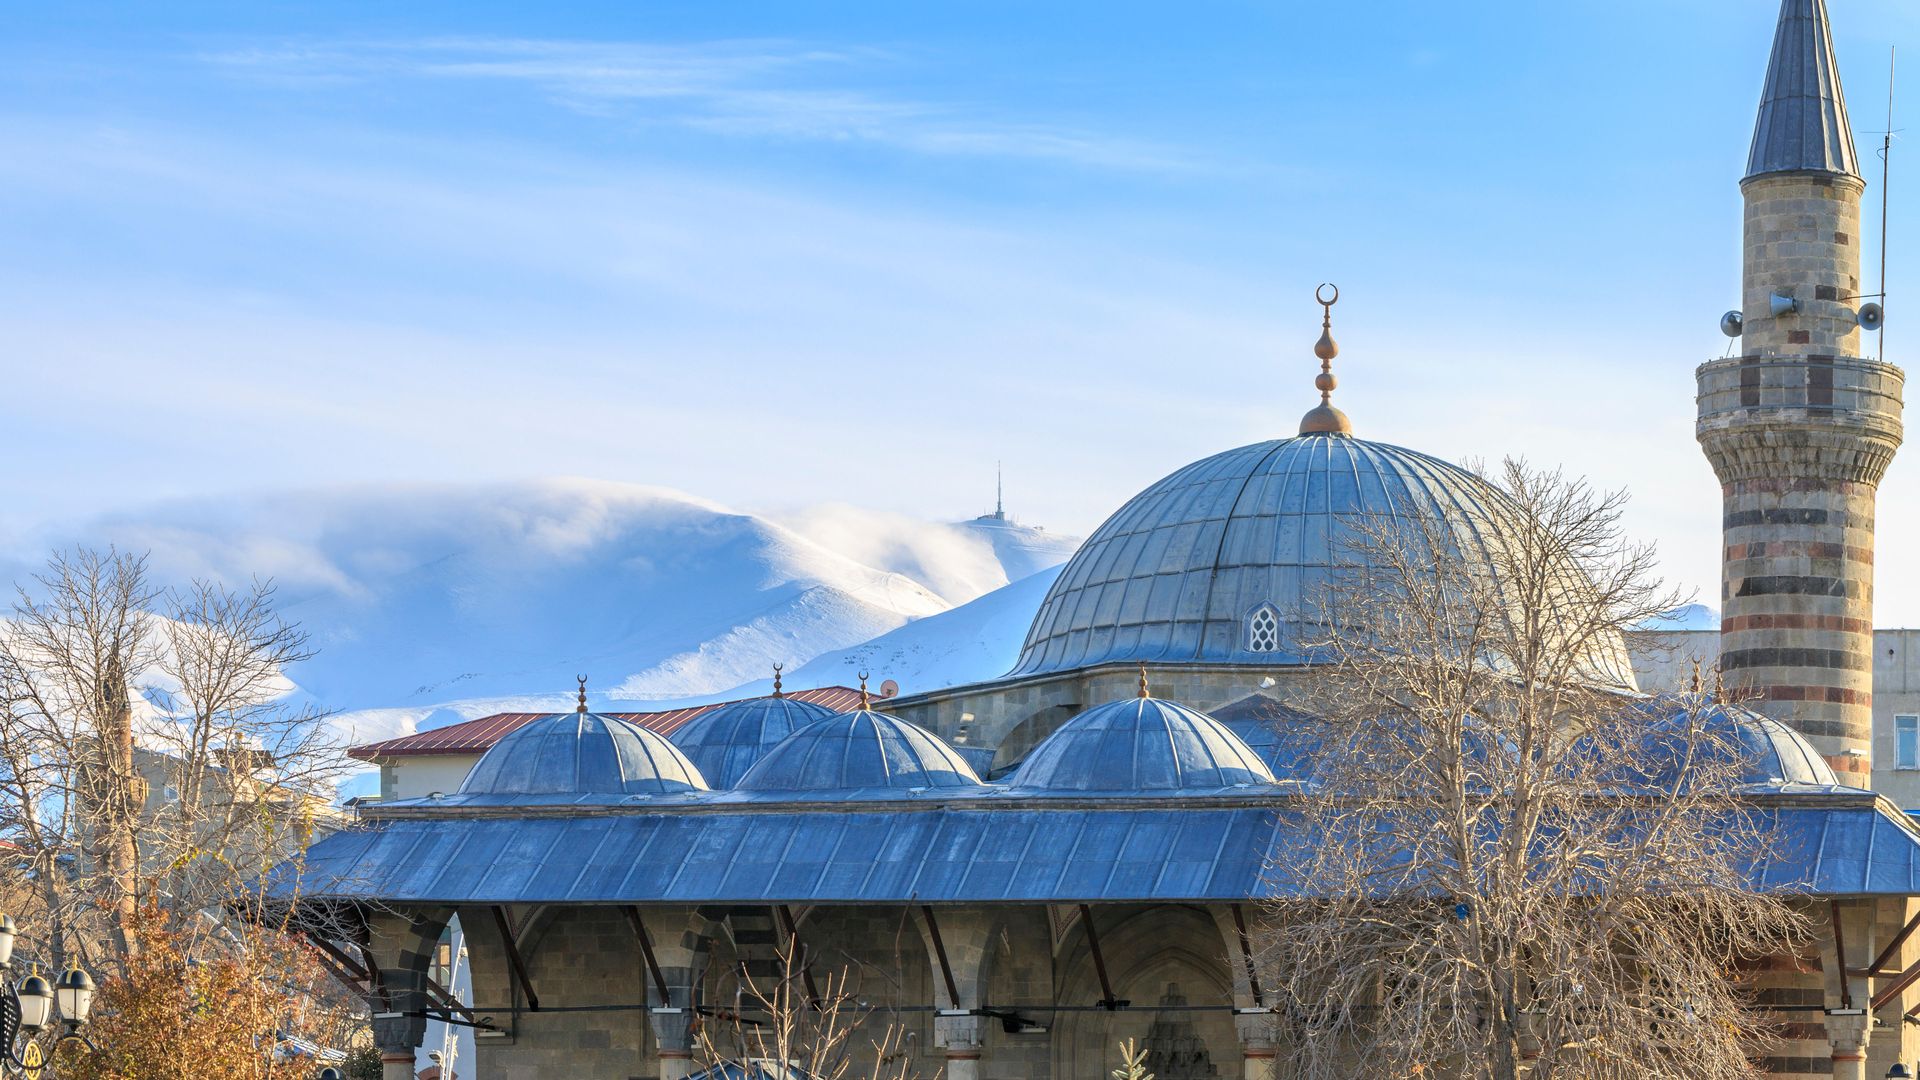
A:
(866, 702)
(1719, 687)
(1695, 685)
(582, 707)
(776, 680)
(1143, 680)
(1325, 419)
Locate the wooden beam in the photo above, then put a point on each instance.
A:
(1108, 1002)
(356, 983)
(514, 961)
(1907, 978)
(646, 951)
(1879, 965)
(1246, 953)
(799, 953)
(940, 953)
(1840, 954)
(447, 1000)
(338, 955)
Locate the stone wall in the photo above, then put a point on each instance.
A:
(575, 956)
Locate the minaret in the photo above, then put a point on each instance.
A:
(1800, 426)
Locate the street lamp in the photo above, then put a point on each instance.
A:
(74, 991)
(36, 1003)
(27, 1035)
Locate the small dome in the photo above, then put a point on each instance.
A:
(724, 743)
(1140, 745)
(859, 750)
(1769, 753)
(1285, 738)
(582, 754)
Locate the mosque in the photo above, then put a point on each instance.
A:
(1024, 872)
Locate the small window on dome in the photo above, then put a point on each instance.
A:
(1263, 630)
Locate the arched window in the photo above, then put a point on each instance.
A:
(1263, 629)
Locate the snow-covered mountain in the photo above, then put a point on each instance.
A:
(436, 603)
(975, 641)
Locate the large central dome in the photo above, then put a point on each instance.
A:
(1225, 560)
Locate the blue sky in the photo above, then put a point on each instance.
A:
(778, 254)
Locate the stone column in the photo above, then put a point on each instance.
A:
(1848, 1019)
(1847, 1034)
(400, 946)
(673, 1035)
(682, 944)
(961, 1035)
(1256, 1044)
(957, 952)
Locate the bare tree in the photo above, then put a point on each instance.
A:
(145, 736)
(1508, 863)
(790, 1026)
(80, 634)
(246, 772)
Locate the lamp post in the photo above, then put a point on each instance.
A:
(27, 1012)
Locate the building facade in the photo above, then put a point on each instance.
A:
(1019, 875)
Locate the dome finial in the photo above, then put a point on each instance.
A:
(1695, 686)
(866, 703)
(582, 707)
(776, 680)
(1325, 419)
(1143, 680)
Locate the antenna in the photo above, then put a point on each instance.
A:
(1000, 477)
(1886, 167)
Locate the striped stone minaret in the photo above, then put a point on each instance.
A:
(1800, 427)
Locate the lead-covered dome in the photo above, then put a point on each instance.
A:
(724, 742)
(582, 754)
(1226, 560)
(1753, 750)
(862, 750)
(1140, 746)
(1287, 740)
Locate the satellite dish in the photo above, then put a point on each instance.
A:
(889, 688)
(1730, 323)
(1872, 316)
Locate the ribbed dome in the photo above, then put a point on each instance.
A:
(1286, 739)
(1225, 560)
(859, 750)
(724, 743)
(1141, 745)
(1769, 753)
(582, 754)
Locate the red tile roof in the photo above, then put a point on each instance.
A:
(477, 736)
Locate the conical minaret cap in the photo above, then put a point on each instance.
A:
(1802, 125)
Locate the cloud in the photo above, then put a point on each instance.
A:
(750, 89)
